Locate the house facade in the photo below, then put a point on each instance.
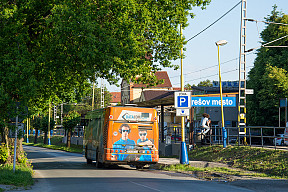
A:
(115, 98)
(131, 92)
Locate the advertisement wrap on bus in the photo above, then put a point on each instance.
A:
(122, 135)
(286, 136)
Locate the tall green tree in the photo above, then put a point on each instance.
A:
(71, 120)
(49, 49)
(44, 127)
(52, 47)
(36, 123)
(41, 123)
(268, 77)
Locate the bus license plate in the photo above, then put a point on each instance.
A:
(132, 151)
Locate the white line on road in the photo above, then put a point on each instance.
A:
(144, 186)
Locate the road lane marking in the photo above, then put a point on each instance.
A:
(144, 186)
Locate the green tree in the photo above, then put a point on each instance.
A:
(44, 126)
(268, 77)
(36, 123)
(205, 83)
(188, 86)
(50, 49)
(41, 123)
(71, 120)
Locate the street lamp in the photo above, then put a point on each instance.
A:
(49, 120)
(224, 132)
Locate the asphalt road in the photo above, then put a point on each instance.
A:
(63, 171)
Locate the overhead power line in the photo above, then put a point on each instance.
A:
(264, 45)
(225, 62)
(253, 20)
(214, 21)
(209, 76)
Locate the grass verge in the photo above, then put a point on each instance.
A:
(209, 172)
(56, 143)
(272, 163)
(21, 177)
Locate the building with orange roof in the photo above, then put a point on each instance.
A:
(131, 92)
(115, 98)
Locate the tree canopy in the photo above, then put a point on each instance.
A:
(205, 83)
(49, 49)
(269, 77)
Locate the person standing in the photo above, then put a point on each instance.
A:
(205, 123)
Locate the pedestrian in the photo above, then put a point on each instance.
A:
(208, 138)
(205, 123)
(187, 127)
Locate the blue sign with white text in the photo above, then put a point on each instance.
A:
(213, 101)
(182, 101)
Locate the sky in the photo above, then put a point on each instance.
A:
(201, 55)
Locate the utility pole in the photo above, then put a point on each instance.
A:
(15, 142)
(62, 114)
(55, 112)
(93, 95)
(242, 74)
(102, 93)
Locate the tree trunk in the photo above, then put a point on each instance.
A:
(68, 144)
(7, 140)
(36, 136)
(9, 143)
(45, 137)
(6, 133)
(3, 135)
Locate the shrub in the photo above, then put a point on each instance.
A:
(3, 154)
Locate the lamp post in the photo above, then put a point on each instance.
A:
(49, 120)
(27, 135)
(224, 132)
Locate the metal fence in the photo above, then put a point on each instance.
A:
(255, 136)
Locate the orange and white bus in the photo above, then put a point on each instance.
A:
(121, 135)
(286, 136)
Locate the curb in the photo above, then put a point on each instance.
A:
(201, 164)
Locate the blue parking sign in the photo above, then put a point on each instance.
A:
(183, 101)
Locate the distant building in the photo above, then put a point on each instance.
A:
(115, 98)
(131, 92)
(230, 113)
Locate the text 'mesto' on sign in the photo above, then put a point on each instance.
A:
(213, 101)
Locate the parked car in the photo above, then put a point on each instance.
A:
(279, 140)
(178, 138)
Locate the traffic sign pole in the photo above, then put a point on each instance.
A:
(15, 143)
(182, 101)
(183, 154)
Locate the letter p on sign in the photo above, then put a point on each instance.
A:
(183, 101)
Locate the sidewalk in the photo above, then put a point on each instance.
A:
(202, 164)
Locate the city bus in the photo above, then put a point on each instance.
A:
(121, 135)
(285, 136)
